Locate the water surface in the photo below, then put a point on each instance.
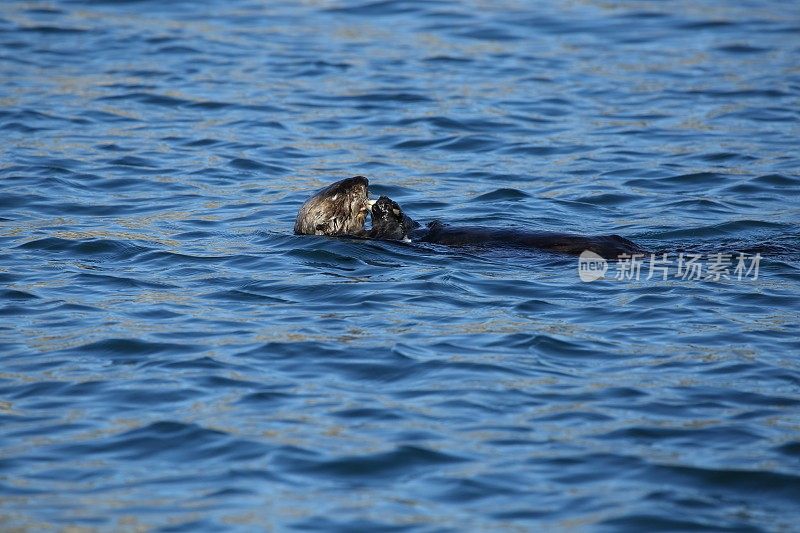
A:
(174, 358)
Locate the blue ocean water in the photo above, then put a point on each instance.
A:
(174, 359)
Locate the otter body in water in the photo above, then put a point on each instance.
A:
(341, 208)
(608, 246)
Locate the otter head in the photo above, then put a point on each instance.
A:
(389, 221)
(338, 209)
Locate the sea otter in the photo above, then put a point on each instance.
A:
(341, 209)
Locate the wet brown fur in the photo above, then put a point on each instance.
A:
(338, 209)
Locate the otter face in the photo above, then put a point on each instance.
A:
(338, 209)
(389, 221)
